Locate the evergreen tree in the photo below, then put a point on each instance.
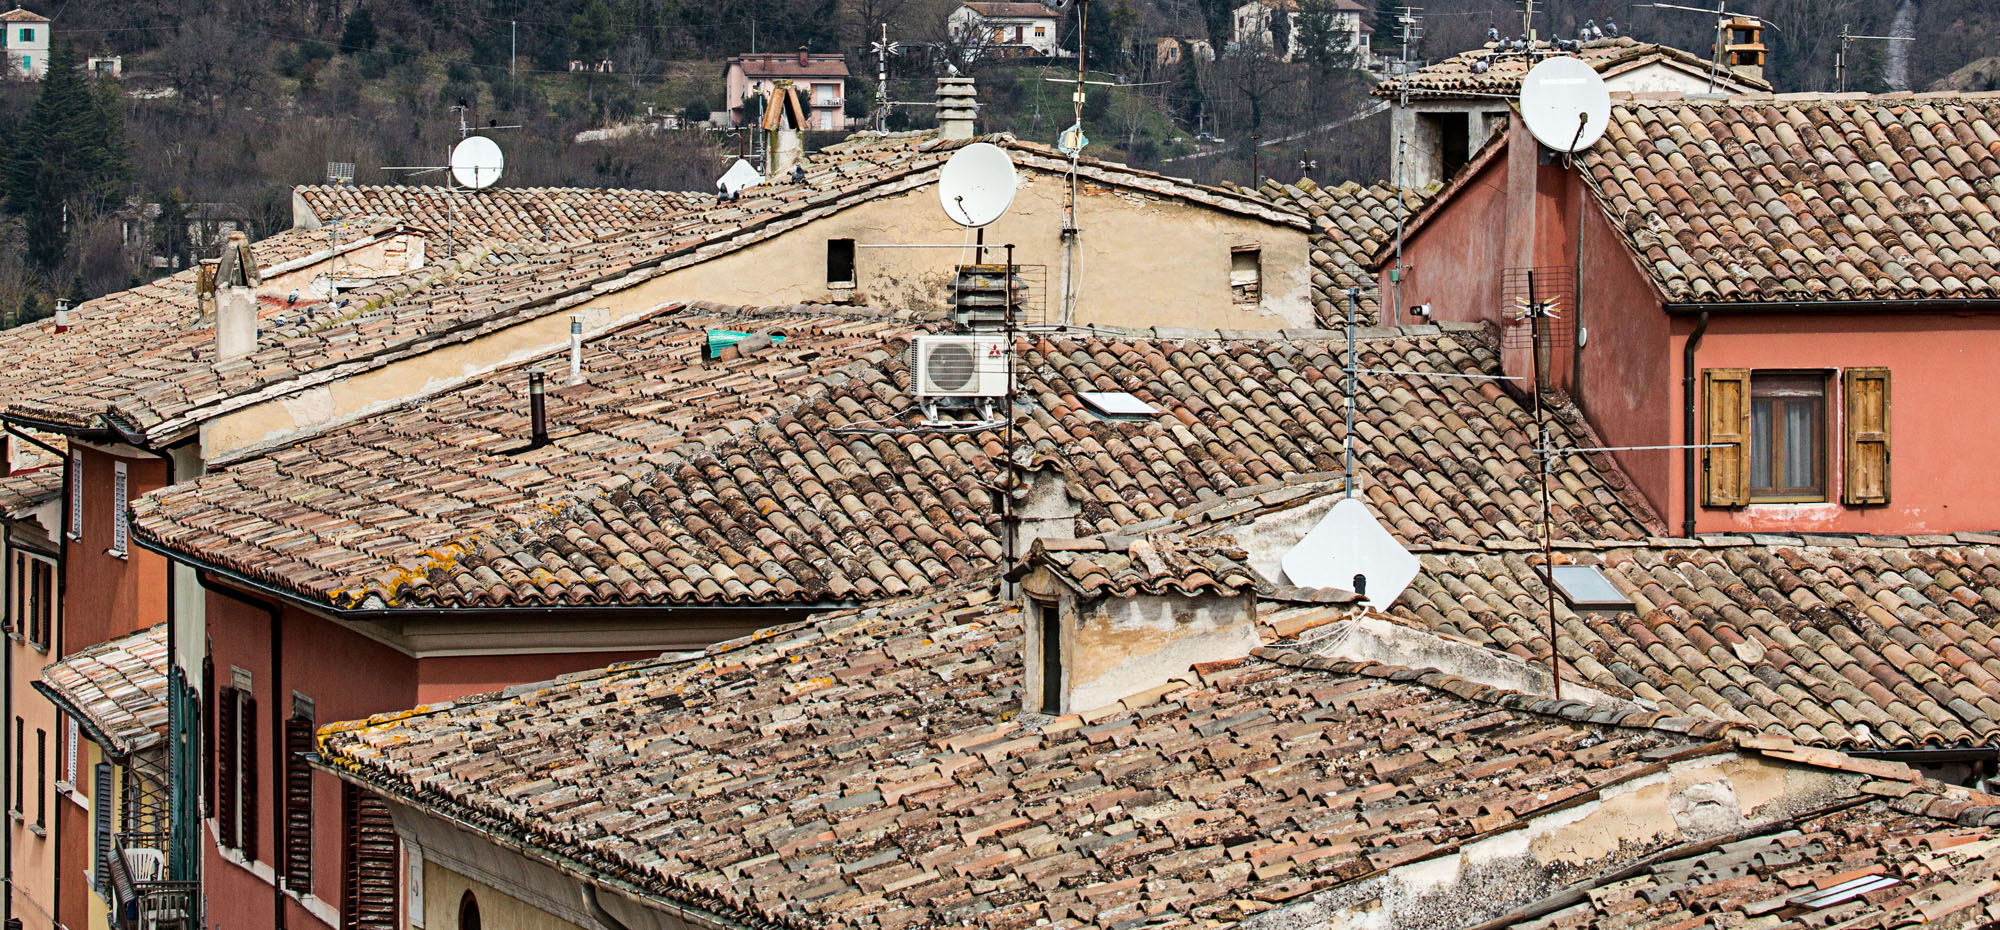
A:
(1388, 27)
(77, 294)
(358, 34)
(592, 33)
(68, 159)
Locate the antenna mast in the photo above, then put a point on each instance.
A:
(1840, 56)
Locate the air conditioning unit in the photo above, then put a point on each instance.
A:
(958, 366)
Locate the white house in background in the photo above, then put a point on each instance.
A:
(1253, 21)
(26, 37)
(1006, 30)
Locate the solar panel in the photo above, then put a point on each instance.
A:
(1117, 404)
(1586, 588)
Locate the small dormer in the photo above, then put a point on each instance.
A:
(1109, 617)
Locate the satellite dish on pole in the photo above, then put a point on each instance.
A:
(977, 184)
(476, 162)
(1348, 549)
(1564, 103)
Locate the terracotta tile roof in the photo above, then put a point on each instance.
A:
(340, 515)
(796, 511)
(18, 15)
(541, 214)
(117, 687)
(39, 480)
(867, 770)
(1874, 644)
(1806, 198)
(1350, 222)
(1454, 76)
(1158, 563)
(1931, 872)
(786, 64)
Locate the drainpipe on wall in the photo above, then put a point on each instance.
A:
(1687, 424)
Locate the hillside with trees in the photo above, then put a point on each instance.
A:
(221, 109)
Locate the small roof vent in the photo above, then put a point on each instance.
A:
(1117, 405)
(1586, 588)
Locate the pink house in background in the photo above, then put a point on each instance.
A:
(1751, 276)
(821, 80)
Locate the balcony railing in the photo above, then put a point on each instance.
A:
(142, 897)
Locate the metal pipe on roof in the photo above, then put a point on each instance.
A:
(576, 348)
(1687, 424)
(538, 410)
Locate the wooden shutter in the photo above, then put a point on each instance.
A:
(209, 734)
(1865, 391)
(297, 854)
(1726, 419)
(369, 879)
(225, 767)
(100, 824)
(246, 719)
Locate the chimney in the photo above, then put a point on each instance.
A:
(802, 56)
(958, 106)
(1744, 51)
(62, 315)
(538, 411)
(235, 298)
(787, 142)
(575, 348)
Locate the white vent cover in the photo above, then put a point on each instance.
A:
(958, 366)
(1347, 544)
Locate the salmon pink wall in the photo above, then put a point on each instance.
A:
(1447, 255)
(1942, 440)
(105, 596)
(448, 678)
(1628, 387)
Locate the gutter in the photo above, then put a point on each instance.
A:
(505, 836)
(83, 720)
(85, 433)
(1687, 425)
(1934, 304)
(205, 568)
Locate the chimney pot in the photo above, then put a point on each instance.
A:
(538, 413)
(958, 107)
(802, 56)
(235, 297)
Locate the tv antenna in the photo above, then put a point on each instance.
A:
(1840, 56)
(1565, 104)
(1722, 17)
(883, 48)
(339, 172)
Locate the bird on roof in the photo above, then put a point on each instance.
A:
(1611, 28)
(1590, 32)
(1480, 66)
(798, 174)
(293, 298)
(1493, 34)
(1521, 44)
(951, 69)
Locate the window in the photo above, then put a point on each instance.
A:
(297, 841)
(27, 34)
(468, 912)
(118, 508)
(1246, 277)
(1788, 436)
(839, 263)
(1768, 440)
(20, 763)
(1453, 135)
(69, 752)
(826, 95)
(236, 768)
(41, 777)
(1041, 31)
(75, 494)
(31, 600)
(368, 875)
(1047, 619)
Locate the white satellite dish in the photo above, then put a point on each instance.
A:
(739, 177)
(977, 184)
(1557, 96)
(476, 162)
(1349, 550)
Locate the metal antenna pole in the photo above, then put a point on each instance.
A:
(1007, 500)
(1536, 314)
(1347, 438)
(513, 44)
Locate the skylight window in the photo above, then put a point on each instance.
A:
(1117, 405)
(1586, 588)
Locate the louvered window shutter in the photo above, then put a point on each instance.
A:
(247, 769)
(226, 751)
(370, 881)
(1726, 418)
(101, 809)
(210, 736)
(1865, 391)
(298, 805)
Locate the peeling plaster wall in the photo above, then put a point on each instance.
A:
(1375, 640)
(1691, 801)
(1128, 645)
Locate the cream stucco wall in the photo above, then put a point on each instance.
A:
(445, 889)
(1143, 260)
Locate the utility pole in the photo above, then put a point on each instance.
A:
(513, 44)
(1528, 22)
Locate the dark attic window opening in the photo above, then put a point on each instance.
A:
(1117, 406)
(1586, 588)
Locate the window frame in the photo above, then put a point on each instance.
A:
(853, 263)
(41, 780)
(1766, 385)
(121, 527)
(1247, 293)
(31, 597)
(295, 839)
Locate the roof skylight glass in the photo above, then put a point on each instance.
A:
(1586, 588)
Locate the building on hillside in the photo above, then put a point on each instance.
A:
(1454, 105)
(1005, 30)
(25, 34)
(105, 65)
(820, 79)
(1169, 51)
(1275, 25)
(1746, 303)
